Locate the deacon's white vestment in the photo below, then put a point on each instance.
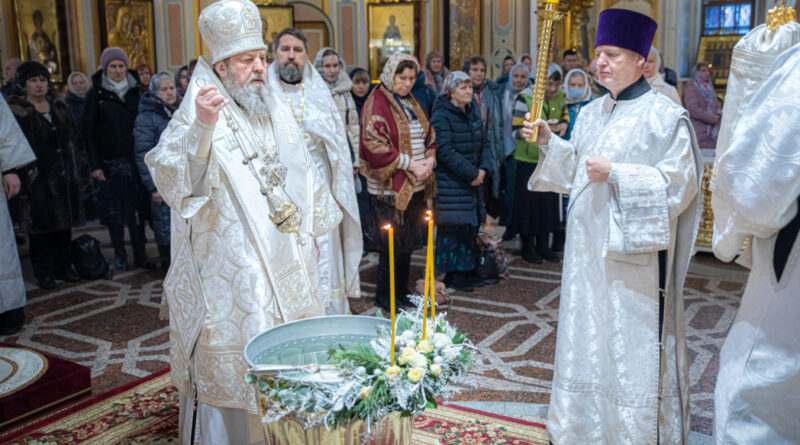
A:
(614, 382)
(325, 138)
(757, 397)
(233, 275)
(15, 152)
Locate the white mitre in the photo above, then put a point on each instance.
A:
(231, 27)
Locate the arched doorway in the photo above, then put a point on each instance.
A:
(315, 25)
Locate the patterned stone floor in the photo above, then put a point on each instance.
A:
(112, 326)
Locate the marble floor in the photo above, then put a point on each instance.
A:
(112, 326)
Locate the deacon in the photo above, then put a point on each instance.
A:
(297, 85)
(233, 168)
(15, 152)
(633, 174)
(757, 192)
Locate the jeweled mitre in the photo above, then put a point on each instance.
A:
(231, 27)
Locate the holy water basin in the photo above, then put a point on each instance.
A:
(306, 342)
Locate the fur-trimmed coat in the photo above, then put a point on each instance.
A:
(54, 182)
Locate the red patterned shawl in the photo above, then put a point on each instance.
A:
(385, 133)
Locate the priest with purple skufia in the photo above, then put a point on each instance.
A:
(632, 170)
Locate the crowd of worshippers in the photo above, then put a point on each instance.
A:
(90, 145)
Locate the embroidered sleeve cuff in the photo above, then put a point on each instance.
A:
(613, 175)
(199, 140)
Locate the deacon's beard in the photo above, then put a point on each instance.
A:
(252, 97)
(290, 73)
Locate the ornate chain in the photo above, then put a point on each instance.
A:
(302, 103)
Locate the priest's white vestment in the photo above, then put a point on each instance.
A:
(757, 396)
(312, 105)
(615, 381)
(15, 152)
(233, 275)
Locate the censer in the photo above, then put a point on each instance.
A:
(550, 16)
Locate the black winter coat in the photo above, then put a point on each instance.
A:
(54, 182)
(151, 121)
(462, 148)
(108, 120)
(76, 105)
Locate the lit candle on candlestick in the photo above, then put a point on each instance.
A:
(391, 281)
(428, 272)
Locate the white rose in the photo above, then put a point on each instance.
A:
(441, 341)
(419, 361)
(436, 370)
(438, 360)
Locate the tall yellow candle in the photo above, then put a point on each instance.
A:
(433, 289)
(391, 282)
(428, 273)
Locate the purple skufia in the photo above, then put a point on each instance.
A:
(626, 29)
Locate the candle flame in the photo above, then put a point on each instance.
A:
(429, 213)
(387, 227)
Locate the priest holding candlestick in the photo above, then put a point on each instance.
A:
(632, 169)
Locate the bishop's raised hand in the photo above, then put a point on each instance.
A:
(209, 102)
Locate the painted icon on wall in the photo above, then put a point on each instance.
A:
(275, 19)
(40, 39)
(128, 24)
(391, 30)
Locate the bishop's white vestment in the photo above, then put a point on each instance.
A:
(325, 138)
(233, 274)
(15, 152)
(757, 396)
(615, 381)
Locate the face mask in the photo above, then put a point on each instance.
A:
(575, 92)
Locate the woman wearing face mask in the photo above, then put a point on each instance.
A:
(652, 72)
(535, 214)
(463, 158)
(517, 81)
(78, 84)
(577, 95)
(398, 153)
(156, 108)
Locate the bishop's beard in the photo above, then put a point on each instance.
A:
(253, 97)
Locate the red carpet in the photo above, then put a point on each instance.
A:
(146, 412)
(31, 382)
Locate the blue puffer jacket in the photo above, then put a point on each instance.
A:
(462, 148)
(151, 121)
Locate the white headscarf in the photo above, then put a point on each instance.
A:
(587, 93)
(658, 83)
(72, 87)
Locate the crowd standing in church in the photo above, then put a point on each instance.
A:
(353, 156)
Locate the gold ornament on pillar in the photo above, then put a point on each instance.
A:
(550, 15)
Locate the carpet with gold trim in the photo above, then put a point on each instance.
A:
(146, 412)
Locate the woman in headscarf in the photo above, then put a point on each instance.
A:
(703, 106)
(508, 63)
(156, 108)
(61, 173)
(334, 71)
(435, 71)
(398, 153)
(78, 84)
(652, 72)
(182, 80)
(517, 81)
(578, 94)
(463, 157)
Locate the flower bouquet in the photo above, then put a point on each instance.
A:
(368, 386)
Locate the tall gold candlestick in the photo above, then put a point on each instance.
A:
(550, 16)
(428, 273)
(391, 282)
